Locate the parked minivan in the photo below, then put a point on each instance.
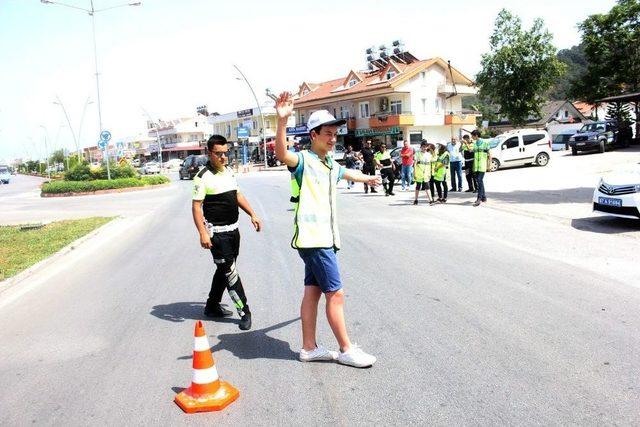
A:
(192, 165)
(520, 147)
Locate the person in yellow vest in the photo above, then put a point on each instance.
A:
(481, 162)
(422, 171)
(387, 169)
(316, 234)
(440, 173)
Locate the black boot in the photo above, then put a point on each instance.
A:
(216, 310)
(245, 321)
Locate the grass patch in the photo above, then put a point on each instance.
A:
(61, 187)
(20, 249)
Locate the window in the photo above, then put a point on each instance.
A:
(334, 112)
(530, 139)
(423, 77)
(390, 74)
(305, 92)
(302, 120)
(511, 143)
(352, 82)
(196, 124)
(267, 124)
(396, 107)
(255, 125)
(364, 110)
(566, 113)
(424, 105)
(438, 104)
(344, 112)
(228, 130)
(415, 137)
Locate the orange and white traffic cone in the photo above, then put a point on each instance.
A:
(207, 392)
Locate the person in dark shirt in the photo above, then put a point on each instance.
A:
(215, 204)
(369, 164)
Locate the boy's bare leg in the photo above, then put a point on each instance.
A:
(335, 316)
(309, 315)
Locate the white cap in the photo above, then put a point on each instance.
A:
(323, 117)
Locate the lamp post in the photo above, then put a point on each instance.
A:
(157, 126)
(92, 12)
(264, 139)
(46, 149)
(84, 110)
(64, 110)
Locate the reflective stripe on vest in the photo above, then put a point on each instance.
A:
(441, 166)
(480, 155)
(422, 167)
(316, 222)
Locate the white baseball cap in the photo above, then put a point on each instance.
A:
(323, 117)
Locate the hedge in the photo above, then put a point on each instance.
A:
(60, 187)
(83, 172)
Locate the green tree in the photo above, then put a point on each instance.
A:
(57, 157)
(612, 48)
(576, 67)
(519, 69)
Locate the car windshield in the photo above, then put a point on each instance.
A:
(592, 127)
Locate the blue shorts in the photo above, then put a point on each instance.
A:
(321, 269)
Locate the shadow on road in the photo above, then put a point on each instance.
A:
(606, 225)
(255, 344)
(181, 311)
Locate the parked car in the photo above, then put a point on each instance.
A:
(338, 153)
(561, 141)
(520, 147)
(618, 194)
(397, 160)
(192, 165)
(150, 168)
(5, 174)
(172, 164)
(597, 136)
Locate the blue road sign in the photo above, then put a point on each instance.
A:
(243, 132)
(102, 144)
(105, 135)
(120, 145)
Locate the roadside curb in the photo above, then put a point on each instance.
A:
(110, 191)
(11, 282)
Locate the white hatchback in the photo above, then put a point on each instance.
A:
(618, 194)
(520, 147)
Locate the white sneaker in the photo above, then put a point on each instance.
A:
(356, 357)
(318, 353)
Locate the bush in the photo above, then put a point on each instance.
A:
(61, 187)
(83, 172)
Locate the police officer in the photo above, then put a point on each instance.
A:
(216, 200)
(481, 162)
(383, 161)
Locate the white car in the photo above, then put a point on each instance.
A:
(150, 167)
(172, 164)
(618, 194)
(520, 147)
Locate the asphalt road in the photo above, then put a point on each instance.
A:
(476, 315)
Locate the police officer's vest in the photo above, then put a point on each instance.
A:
(316, 221)
(441, 166)
(384, 158)
(422, 167)
(480, 155)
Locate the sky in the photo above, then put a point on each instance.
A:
(170, 56)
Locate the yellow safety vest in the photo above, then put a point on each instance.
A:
(316, 220)
(422, 167)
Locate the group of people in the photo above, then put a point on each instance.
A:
(315, 174)
(429, 167)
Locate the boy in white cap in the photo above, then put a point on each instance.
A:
(316, 231)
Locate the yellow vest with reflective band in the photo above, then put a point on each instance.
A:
(422, 166)
(441, 166)
(295, 190)
(316, 221)
(480, 155)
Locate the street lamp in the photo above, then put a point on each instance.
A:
(84, 110)
(46, 149)
(157, 126)
(64, 110)
(92, 11)
(264, 139)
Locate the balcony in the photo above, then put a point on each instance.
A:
(460, 119)
(384, 120)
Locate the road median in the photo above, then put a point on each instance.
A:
(101, 186)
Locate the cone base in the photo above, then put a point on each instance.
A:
(217, 401)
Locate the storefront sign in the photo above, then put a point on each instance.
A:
(393, 130)
(245, 113)
(297, 130)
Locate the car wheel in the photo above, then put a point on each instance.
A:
(495, 165)
(542, 159)
(602, 147)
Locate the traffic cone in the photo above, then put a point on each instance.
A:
(206, 393)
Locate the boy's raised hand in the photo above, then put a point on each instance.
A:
(284, 105)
